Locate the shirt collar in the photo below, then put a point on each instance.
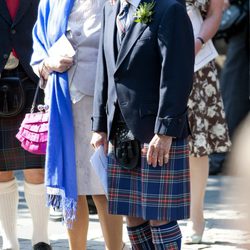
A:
(134, 3)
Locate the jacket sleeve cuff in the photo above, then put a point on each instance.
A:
(171, 126)
(99, 124)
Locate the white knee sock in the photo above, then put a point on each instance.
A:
(36, 200)
(8, 214)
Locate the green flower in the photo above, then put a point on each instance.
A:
(144, 12)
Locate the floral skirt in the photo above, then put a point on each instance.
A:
(209, 131)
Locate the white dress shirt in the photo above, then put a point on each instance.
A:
(132, 10)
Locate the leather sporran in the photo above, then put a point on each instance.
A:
(12, 96)
(127, 148)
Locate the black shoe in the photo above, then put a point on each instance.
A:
(42, 246)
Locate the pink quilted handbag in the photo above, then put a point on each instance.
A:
(33, 133)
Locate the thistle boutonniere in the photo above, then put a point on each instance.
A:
(144, 12)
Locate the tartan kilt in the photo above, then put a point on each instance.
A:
(12, 155)
(161, 193)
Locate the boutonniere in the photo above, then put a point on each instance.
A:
(144, 12)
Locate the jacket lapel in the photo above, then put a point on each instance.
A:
(134, 32)
(112, 26)
(23, 7)
(4, 12)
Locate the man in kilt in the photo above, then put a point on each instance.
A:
(17, 89)
(144, 78)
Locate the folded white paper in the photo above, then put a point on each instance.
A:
(208, 52)
(99, 162)
(62, 47)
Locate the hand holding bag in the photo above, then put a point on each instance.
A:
(33, 133)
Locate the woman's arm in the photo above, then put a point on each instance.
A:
(210, 24)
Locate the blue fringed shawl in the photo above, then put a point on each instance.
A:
(60, 166)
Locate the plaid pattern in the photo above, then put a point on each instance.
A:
(170, 246)
(141, 237)
(166, 233)
(161, 193)
(12, 156)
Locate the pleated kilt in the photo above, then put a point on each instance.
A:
(160, 193)
(12, 156)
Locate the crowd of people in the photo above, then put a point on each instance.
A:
(130, 87)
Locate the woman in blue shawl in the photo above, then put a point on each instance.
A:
(69, 93)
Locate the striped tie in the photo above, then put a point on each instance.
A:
(121, 20)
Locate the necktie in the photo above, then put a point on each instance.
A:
(121, 20)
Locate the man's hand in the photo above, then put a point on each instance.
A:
(98, 139)
(158, 150)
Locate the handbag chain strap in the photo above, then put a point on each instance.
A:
(34, 100)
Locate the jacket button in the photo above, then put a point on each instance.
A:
(5, 56)
(13, 31)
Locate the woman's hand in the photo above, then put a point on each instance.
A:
(98, 139)
(226, 4)
(58, 64)
(198, 46)
(158, 150)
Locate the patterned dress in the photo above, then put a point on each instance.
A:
(209, 131)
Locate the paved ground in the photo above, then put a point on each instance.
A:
(224, 222)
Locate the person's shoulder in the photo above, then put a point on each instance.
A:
(170, 7)
(108, 6)
(170, 4)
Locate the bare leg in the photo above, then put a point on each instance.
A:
(134, 221)
(78, 233)
(199, 174)
(111, 224)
